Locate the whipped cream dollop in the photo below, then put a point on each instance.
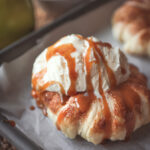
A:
(76, 64)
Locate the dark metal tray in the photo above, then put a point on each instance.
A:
(21, 46)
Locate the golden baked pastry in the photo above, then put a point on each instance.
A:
(131, 26)
(87, 88)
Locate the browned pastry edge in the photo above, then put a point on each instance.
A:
(125, 98)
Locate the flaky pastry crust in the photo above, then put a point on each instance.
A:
(125, 109)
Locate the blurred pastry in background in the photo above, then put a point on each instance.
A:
(88, 88)
(131, 26)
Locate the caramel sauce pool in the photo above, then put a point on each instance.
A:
(32, 108)
(11, 122)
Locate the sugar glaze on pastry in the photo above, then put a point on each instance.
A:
(87, 88)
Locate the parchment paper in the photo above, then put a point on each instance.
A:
(15, 88)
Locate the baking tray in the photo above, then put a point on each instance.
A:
(21, 46)
(97, 23)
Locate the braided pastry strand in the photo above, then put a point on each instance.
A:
(125, 109)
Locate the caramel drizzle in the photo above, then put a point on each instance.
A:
(37, 78)
(85, 101)
(132, 100)
(110, 73)
(65, 51)
(42, 86)
(88, 65)
(130, 104)
(107, 120)
(79, 105)
(90, 97)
